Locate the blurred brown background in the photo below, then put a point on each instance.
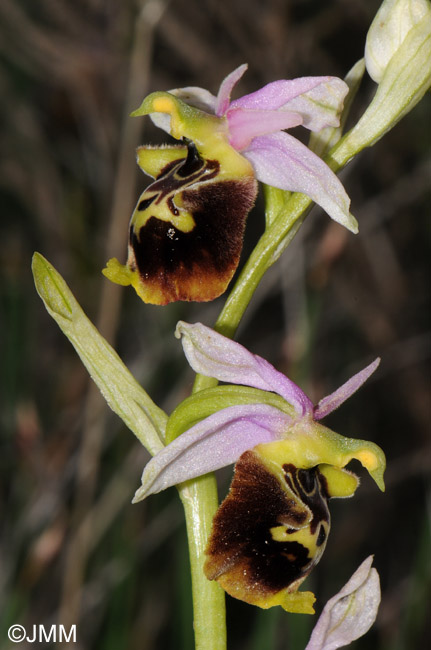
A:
(73, 550)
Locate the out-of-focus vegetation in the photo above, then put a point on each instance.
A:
(73, 550)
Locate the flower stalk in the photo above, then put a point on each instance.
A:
(200, 502)
(270, 246)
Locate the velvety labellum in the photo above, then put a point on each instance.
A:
(187, 229)
(269, 533)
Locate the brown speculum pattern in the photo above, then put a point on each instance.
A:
(268, 533)
(187, 230)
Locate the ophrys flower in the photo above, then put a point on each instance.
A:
(273, 526)
(187, 228)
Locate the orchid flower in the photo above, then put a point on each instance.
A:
(255, 124)
(272, 528)
(187, 228)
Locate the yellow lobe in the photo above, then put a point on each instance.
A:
(298, 602)
(118, 273)
(123, 275)
(341, 482)
(152, 160)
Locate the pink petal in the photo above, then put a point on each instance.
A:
(280, 160)
(244, 125)
(215, 442)
(278, 93)
(227, 85)
(350, 613)
(321, 106)
(335, 399)
(214, 355)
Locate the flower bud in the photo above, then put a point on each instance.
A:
(388, 30)
(402, 64)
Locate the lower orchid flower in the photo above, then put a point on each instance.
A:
(187, 228)
(272, 528)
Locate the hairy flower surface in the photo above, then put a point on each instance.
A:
(187, 228)
(272, 528)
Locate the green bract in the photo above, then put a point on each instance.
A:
(117, 385)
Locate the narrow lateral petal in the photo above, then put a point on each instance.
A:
(214, 355)
(278, 93)
(215, 442)
(226, 87)
(280, 160)
(335, 399)
(350, 613)
(244, 124)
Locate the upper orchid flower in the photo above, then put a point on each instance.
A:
(187, 228)
(272, 528)
(255, 124)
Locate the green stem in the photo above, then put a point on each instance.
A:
(268, 249)
(200, 502)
